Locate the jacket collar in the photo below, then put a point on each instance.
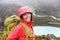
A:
(27, 23)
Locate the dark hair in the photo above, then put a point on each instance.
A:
(22, 17)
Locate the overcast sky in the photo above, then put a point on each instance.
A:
(31, 2)
(46, 6)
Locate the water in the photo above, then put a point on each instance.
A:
(44, 30)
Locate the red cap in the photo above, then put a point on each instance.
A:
(23, 10)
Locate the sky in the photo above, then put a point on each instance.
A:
(34, 3)
(44, 30)
(42, 5)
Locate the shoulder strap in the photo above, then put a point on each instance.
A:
(26, 29)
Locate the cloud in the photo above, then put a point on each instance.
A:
(46, 6)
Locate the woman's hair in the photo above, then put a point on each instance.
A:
(22, 17)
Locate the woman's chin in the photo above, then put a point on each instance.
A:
(28, 20)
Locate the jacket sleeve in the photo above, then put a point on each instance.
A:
(14, 33)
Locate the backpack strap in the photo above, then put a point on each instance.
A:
(26, 29)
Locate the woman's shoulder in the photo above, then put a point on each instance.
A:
(19, 26)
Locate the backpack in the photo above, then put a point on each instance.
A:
(10, 22)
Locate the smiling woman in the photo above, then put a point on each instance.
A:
(24, 30)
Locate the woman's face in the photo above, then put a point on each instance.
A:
(27, 16)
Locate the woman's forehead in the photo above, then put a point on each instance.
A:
(28, 13)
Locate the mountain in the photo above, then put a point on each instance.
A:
(5, 11)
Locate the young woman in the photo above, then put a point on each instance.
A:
(19, 31)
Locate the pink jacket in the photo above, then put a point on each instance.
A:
(19, 31)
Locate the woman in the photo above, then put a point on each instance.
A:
(19, 31)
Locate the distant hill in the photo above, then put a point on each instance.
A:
(8, 9)
(5, 11)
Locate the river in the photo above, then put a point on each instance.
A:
(44, 30)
